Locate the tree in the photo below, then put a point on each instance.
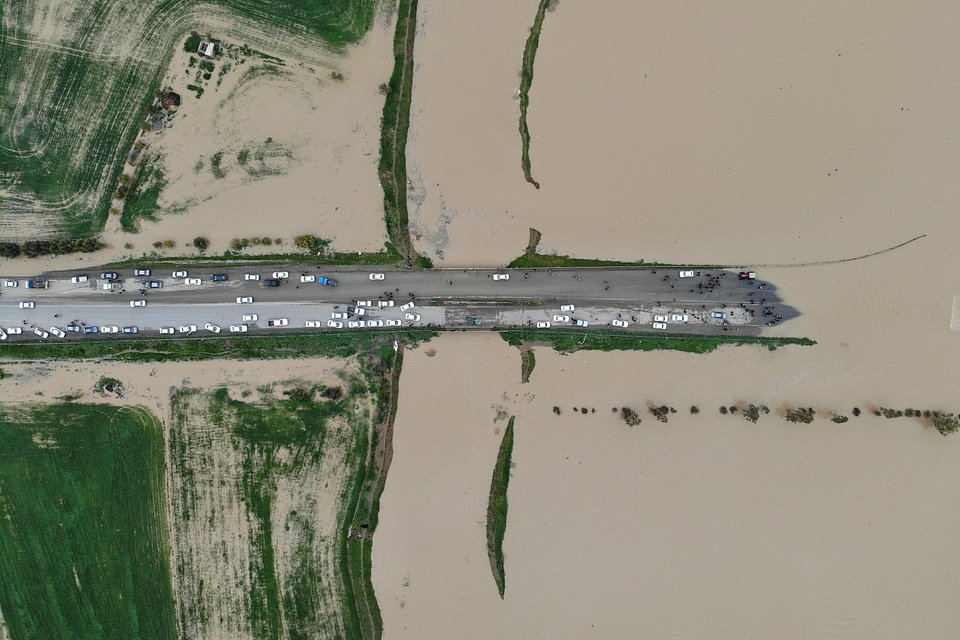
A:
(945, 423)
(201, 243)
(631, 417)
(694, 409)
(751, 413)
(804, 415)
(661, 413)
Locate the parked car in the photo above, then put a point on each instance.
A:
(279, 322)
(109, 286)
(328, 282)
(78, 279)
(659, 318)
(109, 275)
(154, 284)
(364, 303)
(308, 278)
(131, 330)
(244, 299)
(281, 274)
(472, 320)
(659, 325)
(138, 303)
(251, 276)
(211, 327)
(543, 325)
(193, 281)
(27, 305)
(716, 314)
(40, 332)
(15, 331)
(110, 329)
(394, 323)
(179, 274)
(561, 318)
(269, 282)
(580, 323)
(91, 329)
(501, 276)
(686, 274)
(680, 317)
(141, 272)
(238, 328)
(187, 328)
(313, 324)
(567, 307)
(3, 334)
(334, 324)
(384, 303)
(74, 328)
(167, 330)
(220, 277)
(338, 315)
(250, 317)
(747, 275)
(623, 324)
(356, 311)
(356, 324)
(377, 276)
(415, 317)
(10, 283)
(57, 332)
(374, 323)
(407, 307)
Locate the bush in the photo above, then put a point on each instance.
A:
(751, 413)
(723, 410)
(424, 262)
(631, 417)
(311, 243)
(9, 249)
(804, 415)
(839, 419)
(661, 413)
(694, 409)
(201, 243)
(945, 423)
(299, 394)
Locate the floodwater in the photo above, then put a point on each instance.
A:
(745, 133)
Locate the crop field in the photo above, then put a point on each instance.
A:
(261, 489)
(76, 78)
(83, 536)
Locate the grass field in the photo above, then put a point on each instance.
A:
(83, 537)
(497, 507)
(569, 340)
(78, 75)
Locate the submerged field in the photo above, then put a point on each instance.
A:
(77, 78)
(83, 536)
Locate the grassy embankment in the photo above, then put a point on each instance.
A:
(387, 257)
(336, 344)
(526, 81)
(527, 362)
(60, 159)
(497, 508)
(83, 535)
(393, 135)
(569, 340)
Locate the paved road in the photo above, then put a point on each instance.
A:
(443, 297)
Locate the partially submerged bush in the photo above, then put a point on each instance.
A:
(631, 417)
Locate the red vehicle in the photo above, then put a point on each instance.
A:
(747, 275)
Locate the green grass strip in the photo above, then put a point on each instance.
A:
(393, 133)
(527, 362)
(570, 340)
(526, 81)
(497, 507)
(388, 257)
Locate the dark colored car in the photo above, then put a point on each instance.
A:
(109, 275)
(219, 277)
(329, 282)
(271, 282)
(473, 321)
(91, 330)
(130, 330)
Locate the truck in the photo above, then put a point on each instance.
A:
(36, 284)
(329, 282)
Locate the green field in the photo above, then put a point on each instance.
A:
(569, 340)
(73, 95)
(83, 538)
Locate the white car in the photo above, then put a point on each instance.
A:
(364, 303)
(3, 334)
(680, 317)
(110, 329)
(279, 322)
(14, 331)
(384, 303)
(179, 274)
(10, 283)
(394, 323)
(188, 328)
(415, 317)
(716, 314)
(211, 327)
(374, 323)
(501, 276)
(250, 317)
(356, 324)
(543, 325)
(238, 328)
(27, 305)
(581, 323)
(193, 281)
(281, 274)
(659, 325)
(251, 276)
(407, 307)
(623, 324)
(166, 331)
(308, 278)
(560, 318)
(244, 299)
(376, 276)
(567, 307)
(138, 303)
(313, 323)
(686, 274)
(334, 324)
(78, 279)
(57, 332)
(141, 272)
(40, 332)
(338, 315)
(659, 318)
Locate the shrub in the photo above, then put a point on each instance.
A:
(804, 415)
(424, 262)
(299, 394)
(169, 244)
(201, 243)
(661, 413)
(945, 423)
(839, 419)
(631, 417)
(751, 413)
(556, 410)
(723, 410)
(311, 243)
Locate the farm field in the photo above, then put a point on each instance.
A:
(83, 536)
(78, 77)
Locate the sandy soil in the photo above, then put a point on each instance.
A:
(770, 530)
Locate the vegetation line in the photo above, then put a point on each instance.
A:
(497, 507)
(569, 340)
(394, 129)
(526, 81)
(527, 362)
